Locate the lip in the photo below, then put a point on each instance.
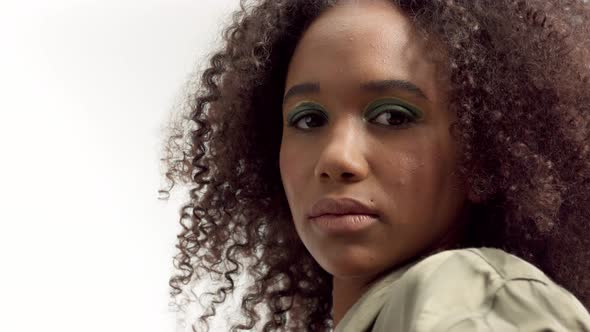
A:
(343, 224)
(341, 206)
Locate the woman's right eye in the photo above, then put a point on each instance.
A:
(308, 120)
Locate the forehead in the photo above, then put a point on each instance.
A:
(361, 41)
(359, 19)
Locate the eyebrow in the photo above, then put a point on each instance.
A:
(373, 86)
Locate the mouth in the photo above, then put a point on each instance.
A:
(340, 224)
(341, 207)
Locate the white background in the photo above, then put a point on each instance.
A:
(85, 90)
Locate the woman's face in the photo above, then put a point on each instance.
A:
(365, 117)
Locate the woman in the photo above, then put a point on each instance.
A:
(382, 165)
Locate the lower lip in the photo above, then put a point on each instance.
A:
(344, 223)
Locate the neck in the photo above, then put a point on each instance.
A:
(345, 293)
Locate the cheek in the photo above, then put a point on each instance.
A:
(415, 179)
(405, 168)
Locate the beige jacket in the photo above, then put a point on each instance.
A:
(466, 290)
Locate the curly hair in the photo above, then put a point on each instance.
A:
(520, 86)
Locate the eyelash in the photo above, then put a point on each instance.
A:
(406, 115)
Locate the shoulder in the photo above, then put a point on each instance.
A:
(493, 263)
(480, 289)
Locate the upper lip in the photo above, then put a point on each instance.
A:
(340, 206)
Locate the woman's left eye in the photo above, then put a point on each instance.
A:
(394, 117)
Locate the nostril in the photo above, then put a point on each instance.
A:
(347, 175)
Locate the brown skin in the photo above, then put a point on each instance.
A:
(406, 173)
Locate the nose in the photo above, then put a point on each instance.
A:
(342, 156)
